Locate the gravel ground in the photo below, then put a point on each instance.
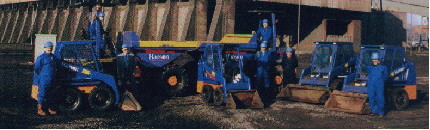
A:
(17, 110)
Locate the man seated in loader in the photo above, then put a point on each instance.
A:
(44, 71)
(377, 74)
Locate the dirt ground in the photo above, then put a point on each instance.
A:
(17, 110)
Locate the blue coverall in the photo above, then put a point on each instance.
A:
(266, 34)
(375, 87)
(96, 33)
(44, 70)
(263, 68)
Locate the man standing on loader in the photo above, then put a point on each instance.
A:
(265, 32)
(263, 59)
(96, 33)
(375, 85)
(44, 70)
(289, 66)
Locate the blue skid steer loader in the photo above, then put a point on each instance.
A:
(331, 61)
(222, 80)
(400, 86)
(80, 74)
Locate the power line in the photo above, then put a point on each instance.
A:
(408, 3)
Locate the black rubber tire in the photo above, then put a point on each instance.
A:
(69, 99)
(101, 98)
(218, 97)
(182, 81)
(207, 94)
(277, 87)
(336, 85)
(399, 98)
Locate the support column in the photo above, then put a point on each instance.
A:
(41, 20)
(52, 20)
(143, 12)
(162, 14)
(11, 25)
(117, 20)
(20, 29)
(215, 20)
(184, 19)
(201, 21)
(61, 22)
(32, 24)
(76, 22)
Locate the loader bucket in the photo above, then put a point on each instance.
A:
(244, 99)
(347, 102)
(304, 93)
(130, 103)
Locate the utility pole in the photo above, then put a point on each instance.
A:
(298, 27)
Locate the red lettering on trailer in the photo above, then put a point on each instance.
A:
(155, 51)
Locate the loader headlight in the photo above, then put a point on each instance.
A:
(360, 84)
(325, 76)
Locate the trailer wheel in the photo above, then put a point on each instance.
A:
(218, 97)
(207, 94)
(399, 98)
(70, 99)
(174, 81)
(101, 98)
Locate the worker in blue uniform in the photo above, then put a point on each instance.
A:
(263, 59)
(126, 70)
(377, 73)
(289, 66)
(44, 70)
(96, 33)
(265, 33)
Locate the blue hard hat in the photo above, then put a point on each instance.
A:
(375, 56)
(124, 46)
(100, 14)
(263, 45)
(265, 21)
(289, 49)
(48, 44)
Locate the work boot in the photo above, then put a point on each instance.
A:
(52, 112)
(40, 110)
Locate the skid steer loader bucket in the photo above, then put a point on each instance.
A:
(304, 93)
(347, 102)
(130, 103)
(244, 99)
